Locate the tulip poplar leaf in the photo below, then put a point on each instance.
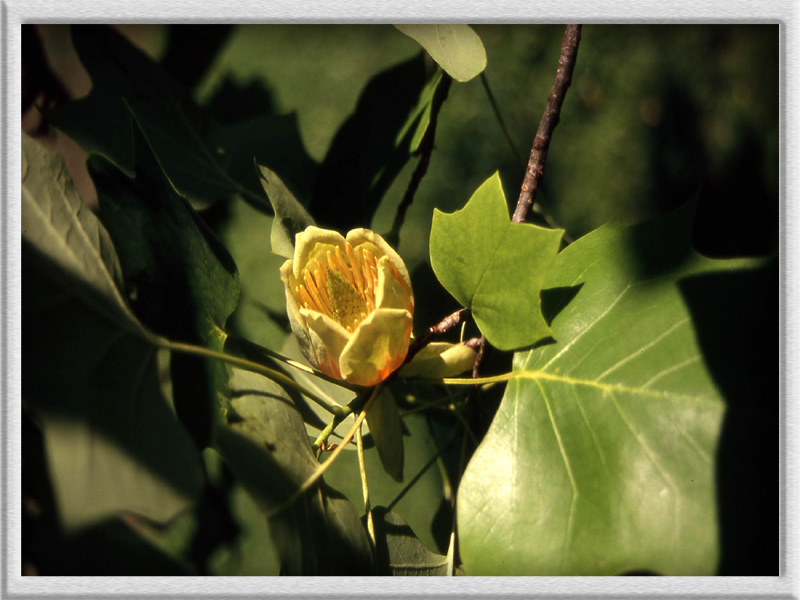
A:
(494, 267)
(291, 217)
(399, 550)
(604, 455)
(457, 48)
(101, 388)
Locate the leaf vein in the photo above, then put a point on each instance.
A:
(588, 327)
(643, 349)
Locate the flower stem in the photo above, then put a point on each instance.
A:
(248, 365)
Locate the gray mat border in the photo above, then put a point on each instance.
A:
(15, 12)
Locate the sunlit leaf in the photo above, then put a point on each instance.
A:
(603, 455)
(89, 367)
(457, 48)
(494, 267)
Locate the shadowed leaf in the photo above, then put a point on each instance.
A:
(374, 144)
(111, 441)
(291, 217)
(266, 447)
(183, 281)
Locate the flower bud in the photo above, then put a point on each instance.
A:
(350, 303)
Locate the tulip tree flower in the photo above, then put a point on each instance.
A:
(350, 303)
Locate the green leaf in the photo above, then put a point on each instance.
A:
(291, 217)
(399, 550)
(387, 433)
(206, 162)
(183, 281)
(457, 48)
(494, 267)
(374, 144)
(89, 368)
(602, 457)
(266, 447)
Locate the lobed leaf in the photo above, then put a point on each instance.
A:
(494, 267)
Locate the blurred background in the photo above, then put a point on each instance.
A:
(655, 116)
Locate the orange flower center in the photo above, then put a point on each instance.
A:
(342, 287)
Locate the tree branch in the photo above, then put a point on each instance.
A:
(533, 174)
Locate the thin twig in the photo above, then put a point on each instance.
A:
(533, 174)
(426, 149)
(481, 352)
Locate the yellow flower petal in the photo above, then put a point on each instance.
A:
(327, 340)
(312, 243)
(377, 347)
(350, 303)
(390, 292)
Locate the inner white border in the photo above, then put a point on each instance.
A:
(15, 12)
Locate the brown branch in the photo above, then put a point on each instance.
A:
(533, 174)
(482, 349)
(426, 149)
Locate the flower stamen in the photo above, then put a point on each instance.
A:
(351, 256)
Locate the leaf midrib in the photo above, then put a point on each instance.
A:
(609, 387)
